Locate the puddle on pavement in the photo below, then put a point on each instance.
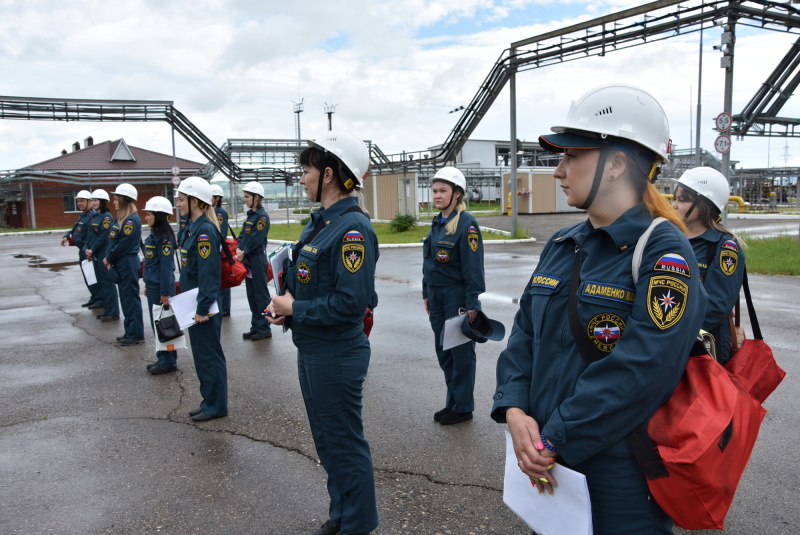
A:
(36, 261)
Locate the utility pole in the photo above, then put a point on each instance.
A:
(330, 109)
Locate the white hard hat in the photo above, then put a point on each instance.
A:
(255, 188)
(83, 194)
(708, 183)
(349, 149)
(620, 111)
(451, 175)
(216, 191)
(100, 194)
(127, 190)
(197, 187)
(158, 204)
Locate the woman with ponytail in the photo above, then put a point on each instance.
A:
(592, 354)
(452, 280)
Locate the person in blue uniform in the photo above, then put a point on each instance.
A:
(200, 261)
(700, 197)
(183, 224)
(222, 221)
(557, 406)
(329, 283)
(79, 234)
(124, 242)
(159, 271)
(452, 280)
(95, 250)
(251, 250)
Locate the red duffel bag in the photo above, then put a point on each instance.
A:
(233, 272)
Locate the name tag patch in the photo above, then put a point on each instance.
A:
(609, 291)
(545, 281)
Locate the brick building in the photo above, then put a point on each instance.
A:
(43, 195)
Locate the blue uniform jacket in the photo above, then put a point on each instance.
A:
(124, 239)
(200, 261)
(159, 263)
(80, 230)
(183, 224)
(456, 259)
(645, 331)
(222, 220)
(253, 237)
(722, 279)
(332, 278)
(98, 238)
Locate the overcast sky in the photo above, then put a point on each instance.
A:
(394, 70)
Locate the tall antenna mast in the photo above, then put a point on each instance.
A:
(330, 109)
(298, 109)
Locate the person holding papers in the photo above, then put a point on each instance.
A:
(159, 271)
(79, 234)
(329, 283)
(95, 250)
(592, 355)
(452, 280)
(200, 263)
(251, 249)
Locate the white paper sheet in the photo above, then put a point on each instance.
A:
(88, 271)
(275, 260)
(171, 345)
(185, 305)
(567, 510)
(451, 334)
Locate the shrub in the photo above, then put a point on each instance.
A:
(402, 222)
(304, 221)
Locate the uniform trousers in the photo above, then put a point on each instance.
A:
(258, 293)
(458, 363)
(165, 359)
(209, 362)
(225, 300)
(128, 268)
(331, 380)
(621, 501)
(108, 288)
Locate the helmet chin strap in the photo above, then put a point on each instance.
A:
(691, 208)
(598, 176)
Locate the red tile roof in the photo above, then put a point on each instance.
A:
(98, 158)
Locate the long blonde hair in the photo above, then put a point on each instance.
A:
(452, 225)
(126, 207)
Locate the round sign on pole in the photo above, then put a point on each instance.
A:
(176, 171)
(724, 121)
(722, 144)
(175, 181)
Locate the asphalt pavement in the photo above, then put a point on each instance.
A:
(91, 443)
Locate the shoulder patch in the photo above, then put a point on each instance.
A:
(545, 281)
(166, 249)
(666, 300)
(204, 245)
(674, 263)
(731, 245)
(220, 220)
(472, 229)
(473, 239)
(728, 260)
(353, 256)
(127, 228)
(106, 222)
(353, 235)
(262, 223)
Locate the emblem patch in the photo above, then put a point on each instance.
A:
(184, 258)
(127, 228)
(604, 330)
(106, 223)
(473, 241)
(442, 256)
(353, 256)
(472, 230)
(666, 300)
(545, 281)
(303, 273)
(149, 251)
(352, 236)
(166, 249)
(204, 245)
(731, 245)
(262, 223)
(248, 227)
(674, 263)
(219, 219)
(112, 234)
(728, 260)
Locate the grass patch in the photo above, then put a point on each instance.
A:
(385, 234)
(773, 256)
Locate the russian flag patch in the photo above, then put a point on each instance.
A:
(674, 263)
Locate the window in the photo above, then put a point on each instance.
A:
(70, 202)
